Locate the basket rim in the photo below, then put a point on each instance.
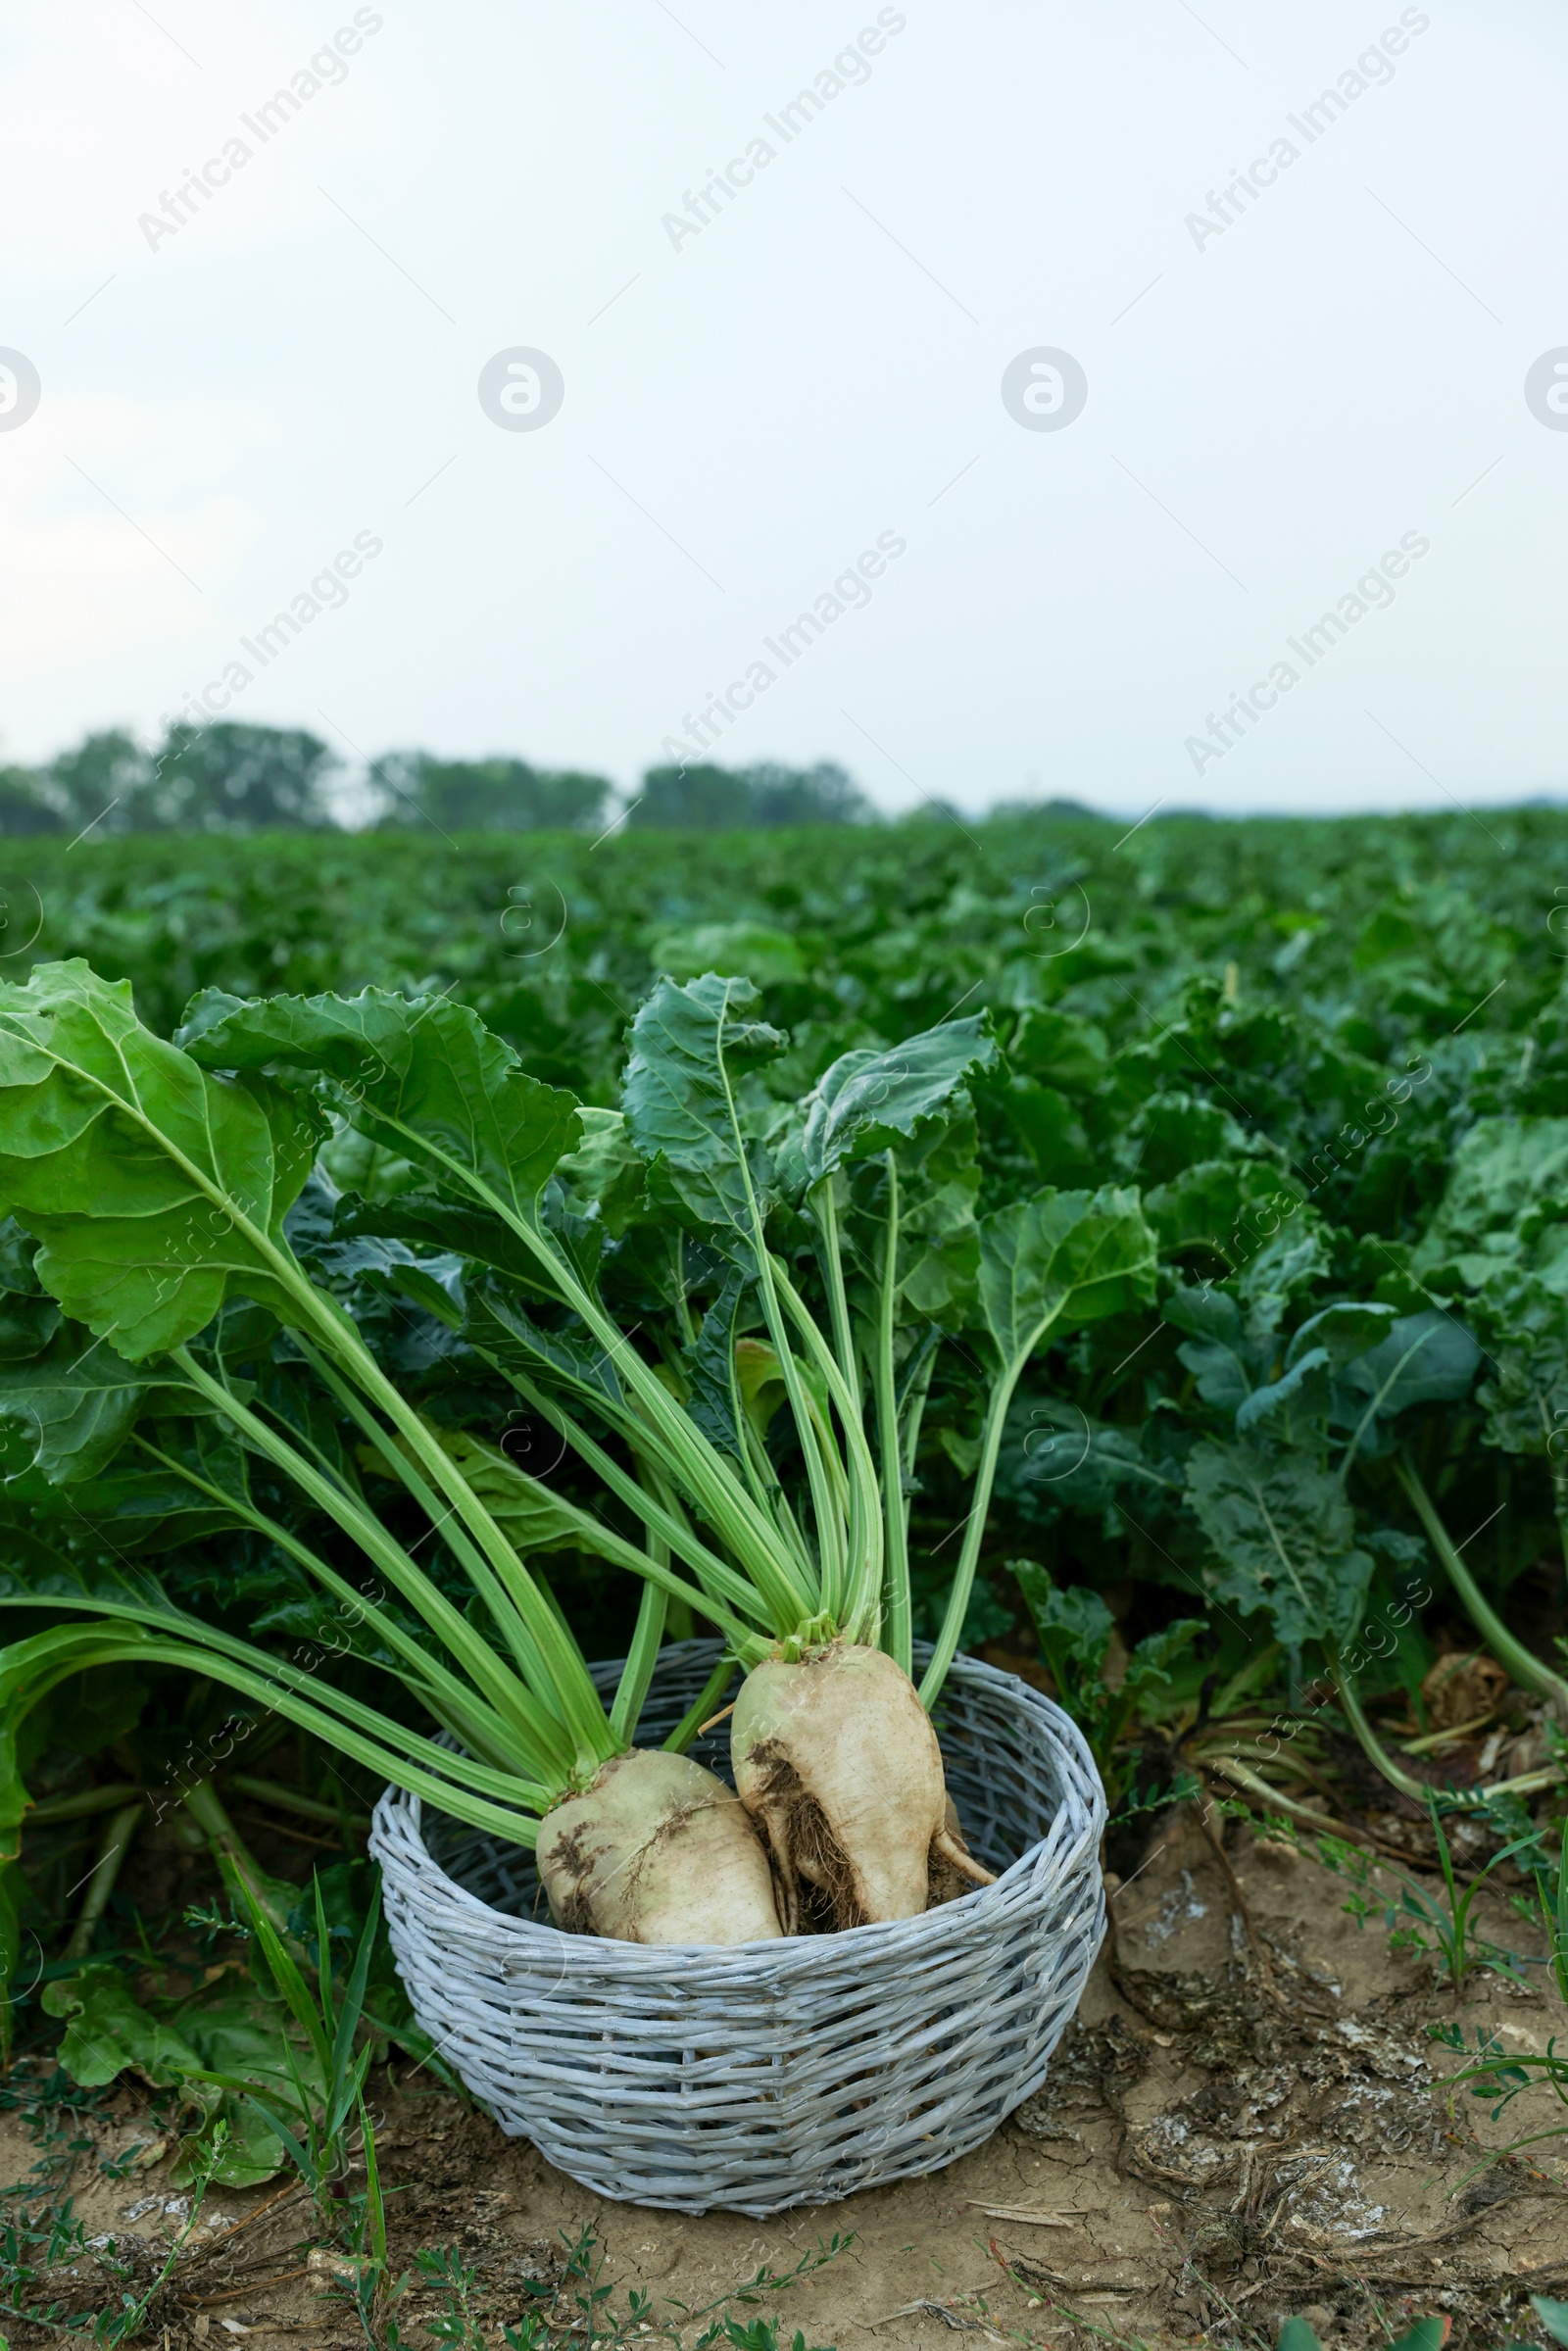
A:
(398, 1819)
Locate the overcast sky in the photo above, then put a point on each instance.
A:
(1074, 563)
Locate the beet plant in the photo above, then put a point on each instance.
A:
(725, 1303)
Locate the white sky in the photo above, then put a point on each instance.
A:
(1267, 415)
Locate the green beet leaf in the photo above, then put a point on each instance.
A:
(428, 1081)
(1073, 1626)
(1053, 1456)
(690, 1048)
(155, 1188)
(1291, 1410)
(1046, 1264)
(1220, 1202)
(1525, 1395)
(1502, 1167)
(868, 1099)
(716, 1400)
(1553, 2316)
(1282, 1536)
(763, 954)
(1340, 1332)
(78, 1400)
(1058, 1260)
(604, 1175)
(534, 1517)
(1424, 1358)
(108, 2033)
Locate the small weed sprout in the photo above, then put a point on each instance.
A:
(1418, 1920)
(1500, 2078)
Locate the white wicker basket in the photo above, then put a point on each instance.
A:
(758, 2075)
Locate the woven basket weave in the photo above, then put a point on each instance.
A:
(758, 2075)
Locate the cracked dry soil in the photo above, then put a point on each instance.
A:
(1241, 2123)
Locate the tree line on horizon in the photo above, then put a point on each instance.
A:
(234, 778)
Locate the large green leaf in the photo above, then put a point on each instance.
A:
(501, 1329)
(715, 1399)
(427, 1080)
(1283, 1537)
(109, 2033)
(1290, 1258)
(141, 1503)
(1425, 1358)
(1227, 1360)
(1294, 1410)
(532, 1516)
(1218, 1203)
(1058, 1260)
(1553, 2316)
(26, 1326)
(765, 955)
(1342, 1332)
(1054, 1458)
(452, 1229)
(79, 1401)
(1526, 1394)
(1153, 1657)
(1235, 1353)
(1291, 1410)
(1058, 1049)
(28, 1320)
(1073, 1624)
(1504, 1167)
(1052, 1263)
(17, 1250)
(604, 1175)
(690, 1047)
(1175, 1130)
(868, 1099)
(938, 1255)
(39, 1573)
(155, 1188)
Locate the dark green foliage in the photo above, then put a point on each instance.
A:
(1075, 1629)
(234, 778)
(717, 799)
(491, 795)
(222, 778)
(25, 807)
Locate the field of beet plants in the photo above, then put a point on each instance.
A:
(789, 1587)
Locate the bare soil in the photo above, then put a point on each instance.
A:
(1242, 2122)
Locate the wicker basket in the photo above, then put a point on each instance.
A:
(757, 2076)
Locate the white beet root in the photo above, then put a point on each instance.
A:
(837, 1758)
(656, 1850)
